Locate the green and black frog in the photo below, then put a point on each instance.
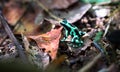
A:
(74, 32)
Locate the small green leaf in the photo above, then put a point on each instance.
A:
(98, 36)
(96, 1)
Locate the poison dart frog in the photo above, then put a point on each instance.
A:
(74, 32)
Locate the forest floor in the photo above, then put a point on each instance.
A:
(32, 36)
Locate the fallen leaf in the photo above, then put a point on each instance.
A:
(35, 55)
(100, 23)
(13, 12)
(49, 41)
(74, 13)
(55, 64)
(57, 4)
(62, 4)
(29, 28)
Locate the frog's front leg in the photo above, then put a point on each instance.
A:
(75, 39)
(66, 35)
(77, 43)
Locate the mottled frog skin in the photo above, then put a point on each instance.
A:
(74, 32)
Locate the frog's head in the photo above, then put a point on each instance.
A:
(64, 22)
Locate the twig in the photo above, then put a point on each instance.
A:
(52, 15)
(20, 19)
(98, 47)
(3, 39)
(11, 35)
(110, 19)
(90, 64)
(108, 26)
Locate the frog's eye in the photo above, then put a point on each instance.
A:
(65, 21)
(62, 23)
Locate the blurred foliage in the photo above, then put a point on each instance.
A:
(95, 1)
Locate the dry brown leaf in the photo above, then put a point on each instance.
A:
(100, 23)
(62, 4)
(74, 13)
(13, 12)
(26, 28)
(58, 4)
(29, 28)
(49, 41)
(35, 55)
(56, 63)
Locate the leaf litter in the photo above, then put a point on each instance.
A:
(40, 35)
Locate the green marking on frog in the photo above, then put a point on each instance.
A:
(74, 32)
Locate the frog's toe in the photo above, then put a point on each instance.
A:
(81, 42)
(63, 39)
(73, 46)
(83, 33)
(76, 46)
(77, 41)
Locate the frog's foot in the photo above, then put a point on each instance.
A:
(75, 45)
(81, 42)
(77, 41)
(63, 39)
